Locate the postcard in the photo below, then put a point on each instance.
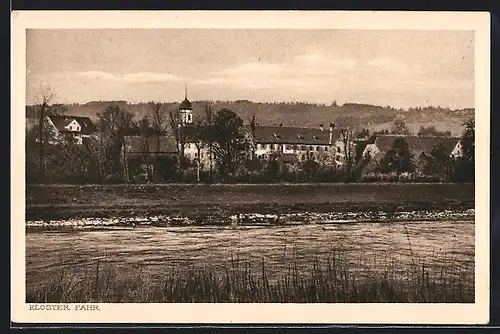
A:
(250, 167)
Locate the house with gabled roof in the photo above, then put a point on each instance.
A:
(420, 146)
(298, 143)
(74, 128)
(136, 146)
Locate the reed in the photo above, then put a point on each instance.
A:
(333, 279)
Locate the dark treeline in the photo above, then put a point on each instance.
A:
(223, 134)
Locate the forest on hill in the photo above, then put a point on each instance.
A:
(293, 113)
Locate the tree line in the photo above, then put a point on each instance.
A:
(231, 153)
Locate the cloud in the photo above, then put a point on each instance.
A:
(304, 70)
(393, 66)
(319, 64)
(130, 77)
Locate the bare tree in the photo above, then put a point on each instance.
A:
(159, 121)
(209, 137)
(346, 136)
(252, 134)
(180, 140)
(115, 123)
(198, 136)
(146, 130)
(96, 157)
(43, 100)
(347, 127)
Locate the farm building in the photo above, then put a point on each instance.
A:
(419, 146)
(75, 128)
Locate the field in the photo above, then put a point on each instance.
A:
(66, 201)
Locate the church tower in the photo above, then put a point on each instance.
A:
(186, 110)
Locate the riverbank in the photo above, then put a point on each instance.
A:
(331, 280)
(194, 200)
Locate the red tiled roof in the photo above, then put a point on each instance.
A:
(417, 144)
(294, 135)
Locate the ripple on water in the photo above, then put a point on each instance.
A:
(369, 245)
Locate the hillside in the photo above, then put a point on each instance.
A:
(295, 114)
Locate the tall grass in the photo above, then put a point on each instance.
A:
(329, 280)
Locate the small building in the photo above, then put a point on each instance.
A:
(420, 146)
(72, 128)
(142, 151)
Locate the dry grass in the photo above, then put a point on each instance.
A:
(330, 280)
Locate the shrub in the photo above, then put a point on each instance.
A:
(112, 179)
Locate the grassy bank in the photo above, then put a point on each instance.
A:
(324, 281)
(62, 201)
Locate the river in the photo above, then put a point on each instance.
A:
(369, 245)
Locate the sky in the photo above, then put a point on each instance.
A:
(398, 68)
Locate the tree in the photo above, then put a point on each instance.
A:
(115, 122)
(229, 142)
(465, 165)
(198, 143)
(467, 140)
(432, 131)
(43, 100)
(147, 131)
(252, 137)
(364, 133)
(159, 121)
(438, 162)
(96, 157)
(209, 137)
(180, 141)
(347, 126)
(399, 127)
(398, 158)
(310, 168)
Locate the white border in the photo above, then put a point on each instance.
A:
(477, 313)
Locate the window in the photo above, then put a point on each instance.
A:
(302, 147)
(326, 148)
(317, 148)
(294, 146)
(338, 149)
(189, 117)
(310, 148)
(196, 154)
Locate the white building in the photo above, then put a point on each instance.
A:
(74, 128)
(300, 144)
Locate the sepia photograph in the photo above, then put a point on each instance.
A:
(219, 161)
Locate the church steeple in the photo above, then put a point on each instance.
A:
(186, 109)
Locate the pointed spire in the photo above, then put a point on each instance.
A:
(185, 92)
